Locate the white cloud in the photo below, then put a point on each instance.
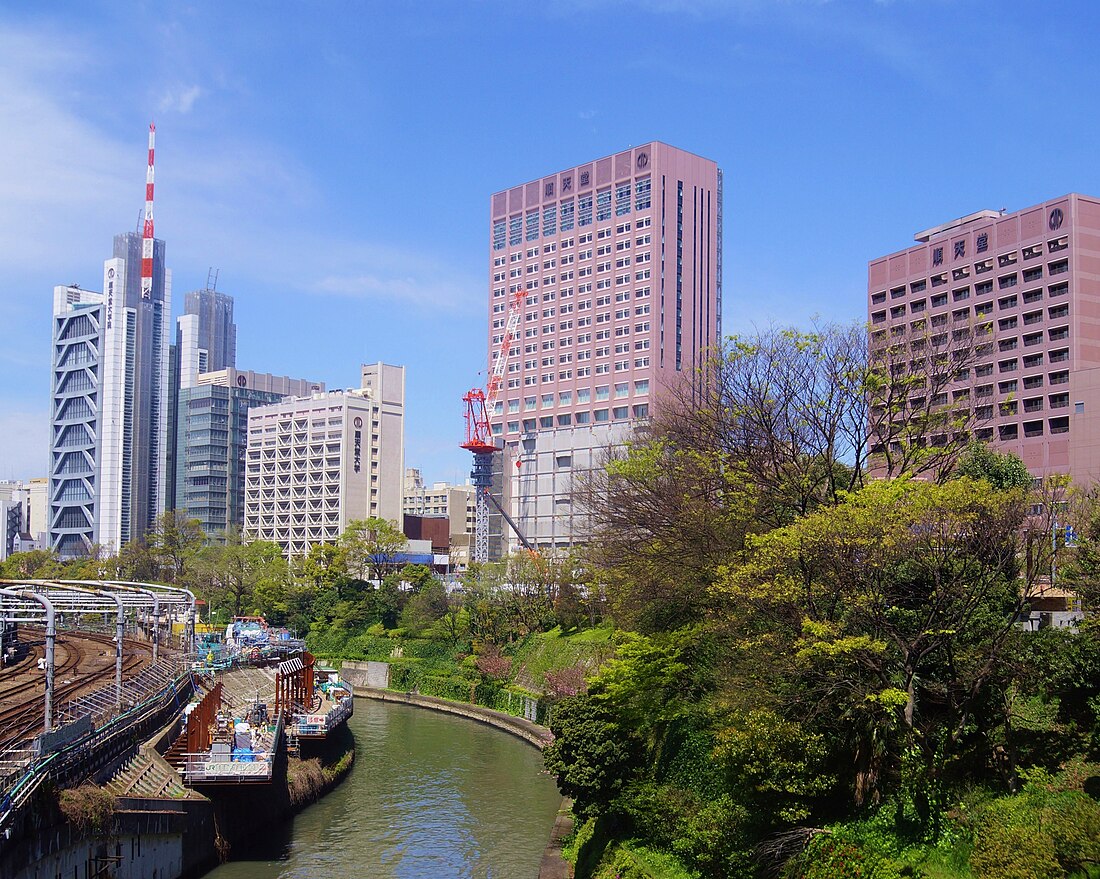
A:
(433, 292)
(180, 100)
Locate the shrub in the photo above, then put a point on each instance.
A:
(831, 857)
(566, 681)
(492, 664)
(1014, 852)
(89, 807)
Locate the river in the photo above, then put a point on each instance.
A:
(431, 796)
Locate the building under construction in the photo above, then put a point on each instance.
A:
(605, 289)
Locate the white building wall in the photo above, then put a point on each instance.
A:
(387, 386)
(538, 493)
(117, 321)
(313, 465)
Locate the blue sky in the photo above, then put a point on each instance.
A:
(334, 160)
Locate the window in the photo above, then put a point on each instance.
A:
(565, 398)
(603, 392)
(584, 211)
(600, 415)
(641, 387)
(550, 220)
(565, 419)
(546, 421)
(582, 417)
(642, 193)
(515, 232)
(622, 199)
(528, 404)
(620, 412)
(622, 390)
(603, 205)
(532, 225)
(566, 220)
(498, 235)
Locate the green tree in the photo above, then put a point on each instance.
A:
(174, 543)
(593, 755)
(903, 596)
(1003, 470)
(238, 577)
(370, 547)
(35, 564)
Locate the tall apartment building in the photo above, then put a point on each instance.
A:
(1029, 283)
(109, 404)
(211, 440)
(621, 263)
(317, 463)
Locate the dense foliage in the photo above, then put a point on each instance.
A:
(827, 674)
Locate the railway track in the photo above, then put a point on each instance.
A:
(74, 652)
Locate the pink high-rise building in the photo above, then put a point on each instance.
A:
(1030, 281)
(621, 263)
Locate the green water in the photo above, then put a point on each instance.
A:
(431, 796)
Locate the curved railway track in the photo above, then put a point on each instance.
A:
(74, 652)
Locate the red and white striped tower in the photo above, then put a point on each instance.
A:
(147, 229)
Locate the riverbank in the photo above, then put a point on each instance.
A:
(553, 865)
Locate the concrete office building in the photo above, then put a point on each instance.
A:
(38, 502)
(316, 463)
(211, 440)
(620, 261)
(456, 503)
(15, 534)
(1029, 283)
(109, 404)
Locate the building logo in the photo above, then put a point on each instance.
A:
(110, 273)
(1056, 218)
(358, 444)
(585, 178)
(642, 161)
(548, 190)
(241, 381)
(567, 183)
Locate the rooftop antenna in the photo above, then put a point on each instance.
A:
(147, 227)
(212, 278)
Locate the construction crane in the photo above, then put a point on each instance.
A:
(479, 434)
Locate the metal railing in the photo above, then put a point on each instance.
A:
(212, 766)
(17, 787)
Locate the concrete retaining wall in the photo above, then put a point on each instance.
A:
(366, 674)
(539, 736)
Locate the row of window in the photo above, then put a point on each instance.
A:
(565, 398)
(569, 419)
(1005, 260)
(562, 217)
(581, 372)
(1004, 303)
